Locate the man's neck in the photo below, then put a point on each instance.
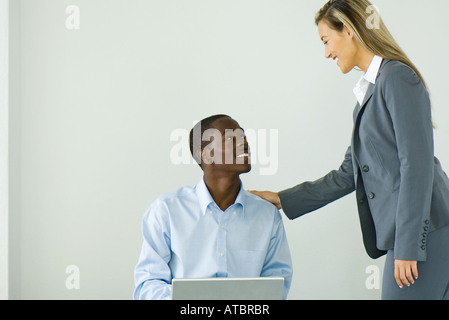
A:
(224, 190)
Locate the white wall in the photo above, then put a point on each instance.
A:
(4, 146)
(97, 105)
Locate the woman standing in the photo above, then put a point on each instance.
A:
(401, 189)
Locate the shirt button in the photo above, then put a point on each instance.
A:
(365, 168)
(221, 254)
(222, 226)
(371, 195)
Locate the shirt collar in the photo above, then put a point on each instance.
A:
(368, 78)
(205, 199)
(373, 70)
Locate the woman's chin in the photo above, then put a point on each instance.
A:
(345, 70)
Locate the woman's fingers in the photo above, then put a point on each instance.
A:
(415, 269)
(409, 276)
(405, 272)
(269, 196)
(399, 275)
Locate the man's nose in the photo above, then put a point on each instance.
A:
(242, 142)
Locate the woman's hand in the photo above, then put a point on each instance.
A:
(269, 196)
(405, 272)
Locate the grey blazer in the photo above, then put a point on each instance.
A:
(401, 189)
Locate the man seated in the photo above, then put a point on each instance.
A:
(215, 228)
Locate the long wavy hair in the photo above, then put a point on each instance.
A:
(357, 15)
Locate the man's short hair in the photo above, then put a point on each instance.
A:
(196, 134)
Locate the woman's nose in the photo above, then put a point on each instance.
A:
(327, 54)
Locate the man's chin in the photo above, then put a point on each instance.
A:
(247, 169)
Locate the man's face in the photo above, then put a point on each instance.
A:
(228, 150)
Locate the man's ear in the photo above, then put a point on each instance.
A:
(207, 155)
(198, 157)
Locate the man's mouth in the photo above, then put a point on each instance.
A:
(243, 155)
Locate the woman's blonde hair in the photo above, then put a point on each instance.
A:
(357, 15)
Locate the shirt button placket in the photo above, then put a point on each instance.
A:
(221, 246)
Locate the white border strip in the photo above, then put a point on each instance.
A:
(4, 147)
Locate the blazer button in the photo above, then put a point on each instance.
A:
(365, 168)
(371, 195)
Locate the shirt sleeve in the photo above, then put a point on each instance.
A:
(278, 261)
(152, 275)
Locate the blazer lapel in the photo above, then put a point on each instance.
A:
(357, 115)
(368, 95)
(358, 111)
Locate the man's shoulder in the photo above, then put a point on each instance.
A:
(257, 203)
(173, 198)
(180, 193)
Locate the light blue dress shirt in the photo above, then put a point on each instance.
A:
(186, 235)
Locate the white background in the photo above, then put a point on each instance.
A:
(92, 110)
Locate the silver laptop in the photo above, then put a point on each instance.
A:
(228, 289)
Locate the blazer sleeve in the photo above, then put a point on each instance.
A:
(310, 196)
(409, 105)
